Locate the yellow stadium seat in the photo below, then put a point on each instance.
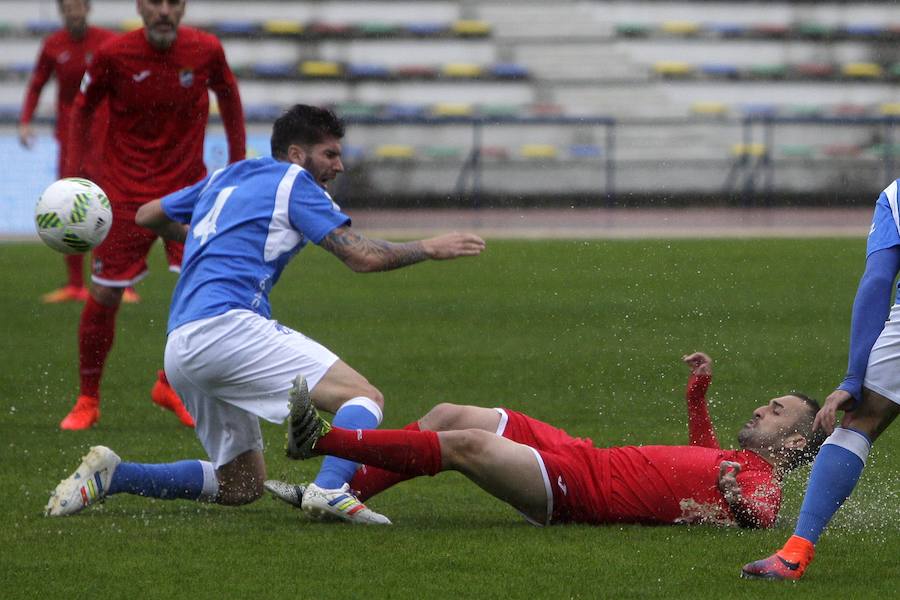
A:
(452, 109)
(395, 152)
(471, 27)
(131, 24)
(282, 27)
(755, 150)
(862, 70)
(462, 70)
(709, 108)
(539, 151)
(890, 108)
(680, 27)
(320, 68)
(672, 68)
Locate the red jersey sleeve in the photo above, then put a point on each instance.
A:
(760, 500)
(39, 78)
(224, 84)
(700, 427)
(94, 89)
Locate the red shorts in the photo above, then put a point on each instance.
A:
(569, 466)
(121, 260)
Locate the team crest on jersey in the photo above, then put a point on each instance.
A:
(63, 57)
(186, 77)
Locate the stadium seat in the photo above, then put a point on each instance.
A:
(709, 108)
(804, 110)
(754, 150)
(282, 27)
(351, 153)
(585, 151)
(376, 29)
(41, 26)
(404, 111)
(673, 68)
(395, 152)
(471, 28)
(720, 71)
(889, 109)
(273, 70)
(894, 71)
(262, 112)
(236, 28)
(356, 109)
(770, 30)
(427, 29)
(321, 68)
(884, 150)
(491, 152)
(416, 72)
(862, 70)
(797, 151)
(20, 69)
(848, 109)
(813, 70)
(367, 71)
(767, 71)
(442, 152)
(726, 30)
(538, 151)
(632, 29)
(323, 29)
(460, 70)
(545, 109)
(864, 31)
(842, 150)
(814, 30)
(499, 110)
(759, 109)
(680, 28)
(508, 71)
(130, 25)
(452, 109)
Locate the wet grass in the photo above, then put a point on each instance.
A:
(586, 335)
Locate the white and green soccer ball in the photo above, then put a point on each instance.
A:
(73, 215)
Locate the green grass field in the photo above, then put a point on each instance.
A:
(587, 335)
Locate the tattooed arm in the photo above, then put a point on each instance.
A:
(365, 255)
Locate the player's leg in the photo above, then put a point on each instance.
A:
(356, 404)
(835, 473)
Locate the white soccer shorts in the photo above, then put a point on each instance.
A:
(232, 369)
(883, 372)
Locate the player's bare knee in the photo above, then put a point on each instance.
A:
(463, 447)
(443, 417)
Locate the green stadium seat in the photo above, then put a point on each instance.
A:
(797, 151)
(767, 71)
(804, 110)
(884, 150)
(377, 29)
(499, 110)
(814, 30)
(355, 109)
(894, 70)
(633, 29)
(443, 152)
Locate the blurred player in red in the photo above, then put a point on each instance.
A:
(65, 55)
(552, 477)
(156, 80)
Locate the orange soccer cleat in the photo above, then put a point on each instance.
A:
(163, 395)
(83, 415)
(788, 564)
(129, 296)
(67, 293)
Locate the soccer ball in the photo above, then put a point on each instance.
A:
(73, 215)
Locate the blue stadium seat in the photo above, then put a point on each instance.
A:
(585, 151)
(864, 31)
(367, 71)
(274, 70)
(401, 111)
(351, 153)
(726, 29)
(21, 68)
(508, 71)
(719, 70)
(236, 27)
(427, 29)
(262, 112)
(760, 109)
(41, 26)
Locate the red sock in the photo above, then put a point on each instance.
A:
(95, 338)
(162, 377)
(75, 270)
(412, 453)
(370, 480)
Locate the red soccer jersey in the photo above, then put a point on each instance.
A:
(66, 58)
(159, 105)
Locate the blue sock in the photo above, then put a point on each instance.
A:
(357, 413)
(835, 472)
(186, 479)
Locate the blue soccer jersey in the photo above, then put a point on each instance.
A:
(885, 231)
(246, 222)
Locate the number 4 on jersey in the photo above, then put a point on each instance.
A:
(206, 226)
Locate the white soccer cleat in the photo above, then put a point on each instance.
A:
(286, 492)
(87, 485)
(340, 504)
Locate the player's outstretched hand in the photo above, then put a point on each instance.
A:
(827, 415)
(453, 245)
(728, 485)
(26, 136)
(700, 363)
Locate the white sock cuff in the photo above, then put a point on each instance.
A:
(210, 483)
(366, 403)
(850, 440)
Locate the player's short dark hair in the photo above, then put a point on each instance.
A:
(306, 126)
(814, 438)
